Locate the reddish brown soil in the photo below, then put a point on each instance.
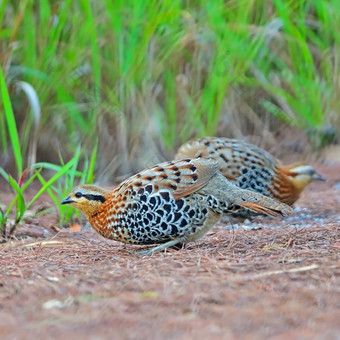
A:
(278, 283)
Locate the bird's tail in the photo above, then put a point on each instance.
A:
(231, 198)
(262, 204)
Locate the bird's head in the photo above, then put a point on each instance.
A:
(301, 175)
(87, 198)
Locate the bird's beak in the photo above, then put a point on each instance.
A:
(67, 200)
(318, 177)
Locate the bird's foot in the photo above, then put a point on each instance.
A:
(146, 252)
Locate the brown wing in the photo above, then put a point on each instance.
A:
(232, 155)
(181, 178)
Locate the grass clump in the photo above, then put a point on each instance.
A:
(53, 186)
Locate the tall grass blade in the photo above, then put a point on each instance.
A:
(12, 127)
(90, 171)
(20, 199)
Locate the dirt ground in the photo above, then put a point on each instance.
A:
(280, 282)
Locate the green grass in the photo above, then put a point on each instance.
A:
(143, 77)
(66, 176)
(10, 119)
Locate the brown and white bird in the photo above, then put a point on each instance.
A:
(253, 168)
(168, 204)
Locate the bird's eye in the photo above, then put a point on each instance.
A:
(78, 194)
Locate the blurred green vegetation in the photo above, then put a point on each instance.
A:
(54, 186)
(143, 77)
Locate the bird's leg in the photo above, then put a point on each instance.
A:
(164, 245)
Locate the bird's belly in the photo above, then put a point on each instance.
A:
(155, 219)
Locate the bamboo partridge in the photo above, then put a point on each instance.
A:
(168, 204)
(253, 168)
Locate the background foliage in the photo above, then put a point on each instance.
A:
(143, 77)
